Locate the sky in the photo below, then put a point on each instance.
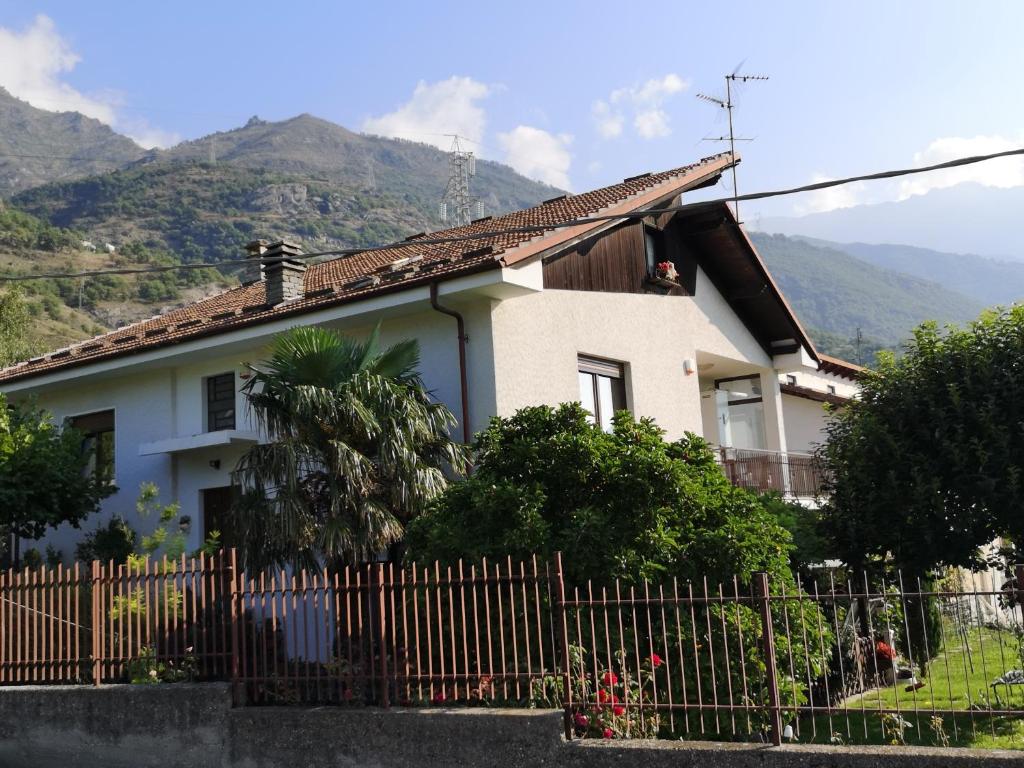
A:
(577, 94)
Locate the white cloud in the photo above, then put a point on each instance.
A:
(32, 64)
(146, 135)
(645, 102)
(435, 109)
(845, 196)
(652, 124)
(538, 154)
(609, 123)
(1003, 173)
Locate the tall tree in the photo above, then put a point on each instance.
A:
(927, 464)
(15, 328)
(44, 481)
(357, 447)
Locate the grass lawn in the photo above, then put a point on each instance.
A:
(959, 677)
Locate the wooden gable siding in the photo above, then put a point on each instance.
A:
(616, 262)
(613, 261)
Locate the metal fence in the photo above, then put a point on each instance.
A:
(824, 659)
(796, 475)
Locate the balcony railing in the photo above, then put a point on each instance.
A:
(795, 475)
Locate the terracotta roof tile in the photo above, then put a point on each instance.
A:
(352, 278)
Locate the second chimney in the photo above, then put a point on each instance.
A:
(283, 272)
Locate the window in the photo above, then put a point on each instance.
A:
(97, 441)
(740, 412)
(220, 402)
(654, 249)
(791, 379)
(602, 389)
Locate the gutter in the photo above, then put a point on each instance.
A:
(463, 380)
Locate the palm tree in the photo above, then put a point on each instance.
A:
(356, 448)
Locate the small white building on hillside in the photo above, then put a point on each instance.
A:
(504, 320)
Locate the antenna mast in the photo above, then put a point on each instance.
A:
(727, 104)
(457, 206)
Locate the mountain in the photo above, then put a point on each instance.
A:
(304, 178)
(37, 146)
(409, 171)
(991, 281)
(836, 293)
(966, 218)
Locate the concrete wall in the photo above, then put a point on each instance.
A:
(192, 726)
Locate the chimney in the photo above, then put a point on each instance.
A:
(282, 272)
(254, 250)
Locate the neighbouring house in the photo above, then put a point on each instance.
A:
(672, 316)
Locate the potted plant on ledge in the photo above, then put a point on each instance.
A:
(665, 275)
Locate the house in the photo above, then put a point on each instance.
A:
(513, 312)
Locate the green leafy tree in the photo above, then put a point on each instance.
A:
(357, 447)
(927, 464)
(622, 504)
(44, 481)
(15, 328)
(628, 505)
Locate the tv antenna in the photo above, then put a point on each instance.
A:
(727, 104)
(457, 206)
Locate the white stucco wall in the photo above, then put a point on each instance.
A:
(820, 381)
(805, 423)
(538, 338)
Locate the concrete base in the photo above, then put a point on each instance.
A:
(193, 726)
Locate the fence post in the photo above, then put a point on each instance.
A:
(563, 632)
(768, 639)
(97, 623)
(382, 645)
(1019, 572)
(235, 615)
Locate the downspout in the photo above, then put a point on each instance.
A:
(463, 380)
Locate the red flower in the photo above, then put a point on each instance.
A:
(885, 651)
(618, 711)
(607, 733)
(607, 697)
(439, 697)
(582, 720)
(610, 678)
(655, 660)
(347, 695)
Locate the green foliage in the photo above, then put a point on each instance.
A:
(16, 342)
(810, 545)
(628, 505)
(926, 466)
(838, 293)
(113, 542)
(846, 346)
(173, 543)
(44, 481)
(624, 504)
(357, 448)
(147, 669)
(22, 231)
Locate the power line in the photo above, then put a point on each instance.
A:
(526, 229)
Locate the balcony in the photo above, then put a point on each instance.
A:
(793, 475)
